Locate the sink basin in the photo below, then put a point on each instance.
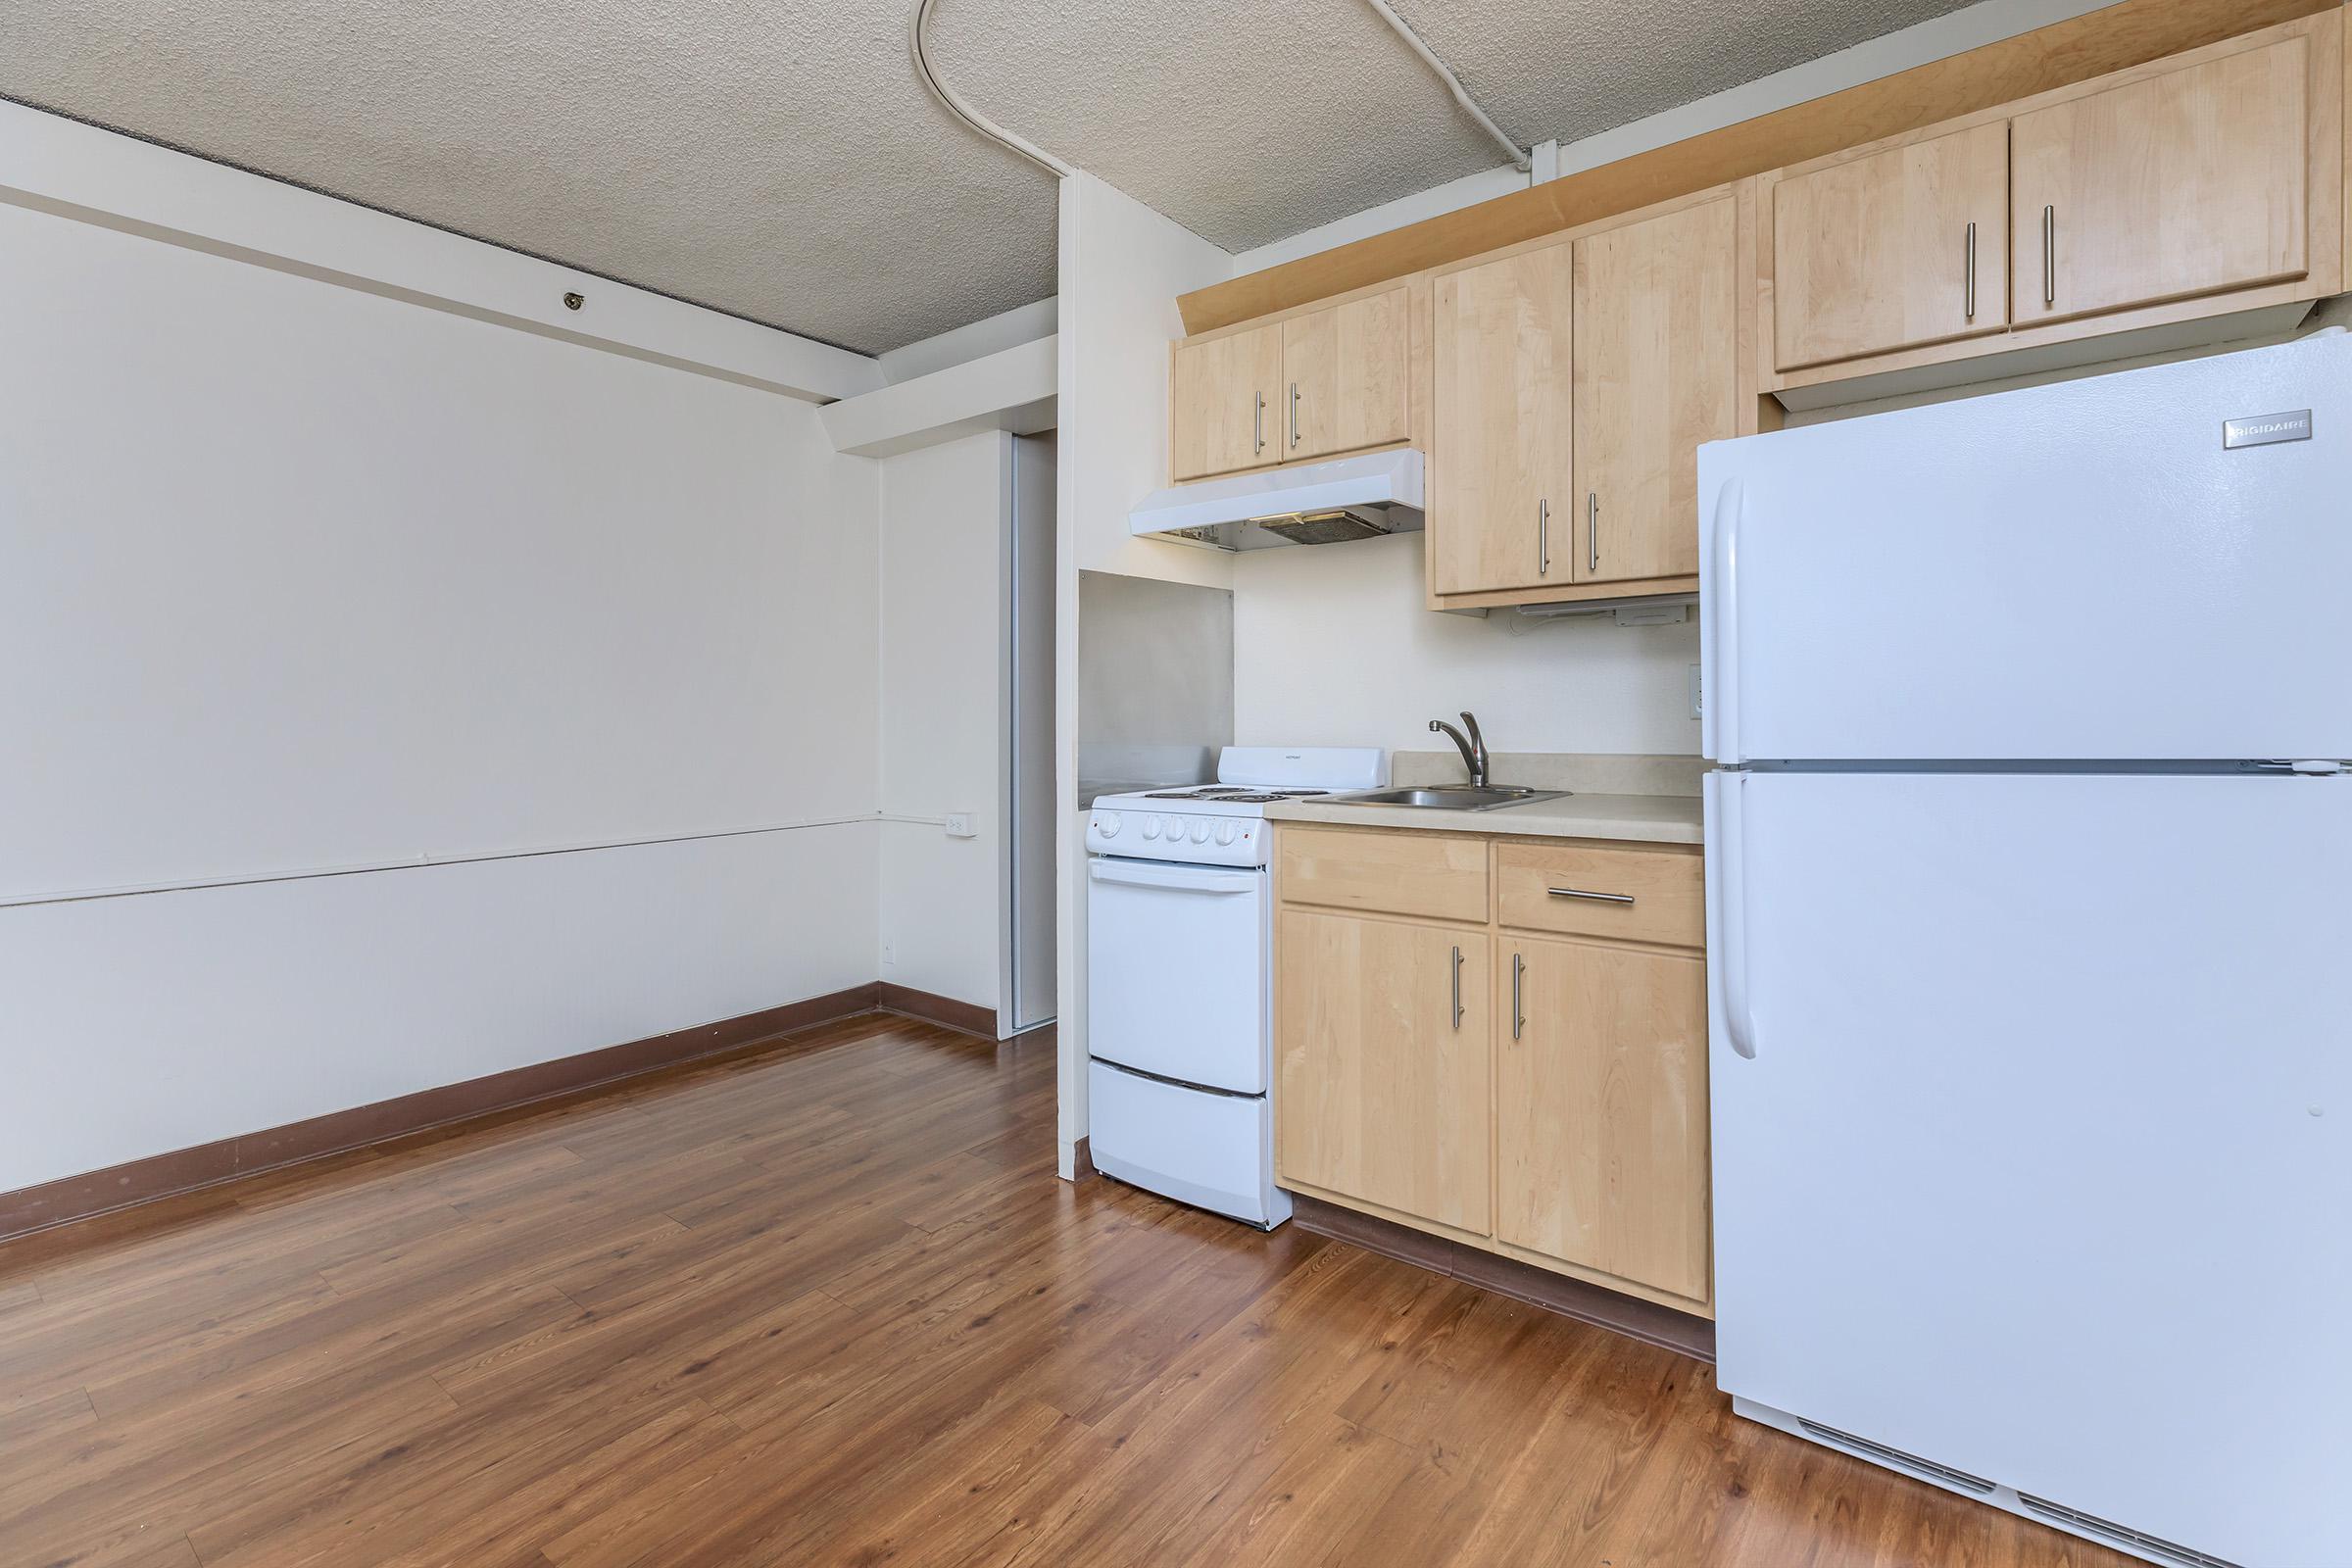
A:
(1449, 798)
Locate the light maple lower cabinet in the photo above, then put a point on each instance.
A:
(1381, 1088)
(1515, 1069)
(1601, 1109)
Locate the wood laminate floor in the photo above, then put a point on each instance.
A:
(827, 1304)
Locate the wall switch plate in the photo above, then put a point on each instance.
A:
(1698, 695)
(959, 825)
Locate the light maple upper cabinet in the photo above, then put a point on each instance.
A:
(1225, 403)
(2190, 182)
(1382, 1063)
(1322, 382)
(2199, 198)
(1346, 376)
(1656, 373)
(1891, 250)
(1501, 482)
(1601, 1102)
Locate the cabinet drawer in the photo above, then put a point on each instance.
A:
(1593, 889)
(1400, 873)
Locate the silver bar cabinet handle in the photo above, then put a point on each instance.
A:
(2049, 255)
(1457, 990)
(1294, 414)
(1596, 897)
(1518, 1007)
(1971, 271)
(1258, 425)
(1544, 537)
(1591, 530)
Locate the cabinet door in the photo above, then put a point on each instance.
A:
(1899, 249)
(2186, 183)
(1381, 1066)
(1502, 485)
(1600, 1098)
(1225, 404)
(1656, 373)
(1343, 373)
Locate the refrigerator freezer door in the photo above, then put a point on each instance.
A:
(2040, 1163)
(2080, 572)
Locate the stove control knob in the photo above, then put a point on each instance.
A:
(1107, 824)
(1151, 827)
(1225, 832)
(1200, 830)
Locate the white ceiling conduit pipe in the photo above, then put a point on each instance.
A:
(971, 117)
(1521, 158)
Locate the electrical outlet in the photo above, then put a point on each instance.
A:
(959, 825)
(1698, 695)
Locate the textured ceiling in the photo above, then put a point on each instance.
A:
(780, 160)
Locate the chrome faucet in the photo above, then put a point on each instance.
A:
(1473, 746)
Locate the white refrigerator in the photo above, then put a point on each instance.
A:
(2030, 924)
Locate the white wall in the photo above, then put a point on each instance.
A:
(1121, 267)
(306, 577)
(944, 904)
(1333, 647)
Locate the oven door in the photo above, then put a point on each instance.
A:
(1176, 971)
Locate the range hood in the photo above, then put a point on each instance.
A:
(1311, 504)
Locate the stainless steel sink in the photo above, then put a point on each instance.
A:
(1449, 798)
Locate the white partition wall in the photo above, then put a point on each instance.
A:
(299, 579)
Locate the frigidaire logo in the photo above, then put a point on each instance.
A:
(2261, 429)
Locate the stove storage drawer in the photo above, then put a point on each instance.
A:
(1437, 876)
(1582, 889)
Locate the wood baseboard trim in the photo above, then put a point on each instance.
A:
(1646, 1321)
(930, 1007)
(185, 1170)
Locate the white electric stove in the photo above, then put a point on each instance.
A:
(1179, 1017)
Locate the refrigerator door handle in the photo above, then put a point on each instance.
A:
(1727, 856)
(1720, 715)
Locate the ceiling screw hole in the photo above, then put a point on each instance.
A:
(573, 301)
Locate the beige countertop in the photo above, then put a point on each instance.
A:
(1639, 818)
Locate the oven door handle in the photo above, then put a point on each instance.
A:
(1175, 878)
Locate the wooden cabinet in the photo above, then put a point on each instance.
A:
(2189, 182)
(1501, 484)
(1600, 1097)
(1323, 381)
(2194, 199)
(1893, 250)
(1434, 875)
(1381, 1089)
(1539, 1093)
(1655, 375)
(1346, 375)
(1225, 403)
